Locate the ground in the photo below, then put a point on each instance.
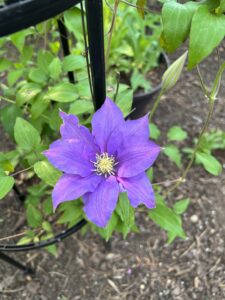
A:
(142, 267)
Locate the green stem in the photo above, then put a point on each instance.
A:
(111, 31)
(155, 105)
(7, 100)
(192, 159)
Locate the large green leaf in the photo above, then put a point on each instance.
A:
(63, 92)
(73, 63)
(73, 22)
(26, 136)
(110, 227)
(126, 213)
(176, 19)
(8, 115)
(34, 217)
(47, 172)
(167, 219)
(37, 76)
(27, 92)
(81, 106)
(210, 163)
(207, 31)
(6, 184)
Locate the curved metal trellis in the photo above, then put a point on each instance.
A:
(20, 14)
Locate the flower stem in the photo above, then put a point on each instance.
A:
(192, 159)
(156, 104)
(111, 32)
(7, 100)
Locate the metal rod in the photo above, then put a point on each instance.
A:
(32, 246)
(13, 262)
(65, 44)
(94, 15)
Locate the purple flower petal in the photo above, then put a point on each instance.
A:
(70, 187)
(70, 157)
(104, 121)
(126, 132)
(139, 190)
(71, 129)
(136, 157)
(137, 129)
(100, 204)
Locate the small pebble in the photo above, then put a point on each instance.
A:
(194, 218)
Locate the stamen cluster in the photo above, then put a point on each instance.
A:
(105, 164)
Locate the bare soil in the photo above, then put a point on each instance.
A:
(142, 267)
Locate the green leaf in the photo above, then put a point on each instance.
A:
(8, 115)
(217, 82)
(207, 31)
(55, 68)
(26, 54)
(154, 131)
(47, 172)
(173, 73)
(173, 153)
(47, 206)
(63, 92)
(167, 219)
(13, 76)
(73, 22)
(24, 240)
(37, 76)
(181, 206)
(34, 217)
(26, 136)
(44, 59)
(210, 163)
(47, 226)
(80, 107)
(176, 133)
(4, 64)
(138, 80)
(126, 213)
(18, 38)
(176, 20)
(106, 232)
(27, 93)
(6, 184)
(73, 63)
(5, 164)
(71, 215)
(39, 105)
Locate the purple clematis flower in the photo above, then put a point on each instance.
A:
(100, 165)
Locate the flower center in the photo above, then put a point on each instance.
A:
(104, 164)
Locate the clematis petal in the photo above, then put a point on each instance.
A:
(100, 204)
(136, 157)
(104, 121)
(70, 187)
(139, 190)
(71, 129)
(137, 129)
(128, 131)
(70, 157)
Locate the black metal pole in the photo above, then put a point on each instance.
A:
(65, 45)
(94, 15)
(16, 264)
